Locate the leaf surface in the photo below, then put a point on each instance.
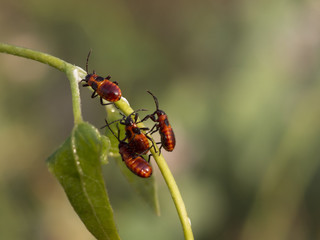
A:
(77, 166)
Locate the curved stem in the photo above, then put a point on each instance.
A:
(73, 76)
(35, 55)
(175, 194)
(168, 177)
(73, 72)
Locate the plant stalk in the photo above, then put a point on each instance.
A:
(168, 177)
(175, 194)
(71, 71)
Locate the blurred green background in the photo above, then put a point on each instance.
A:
(240, 81)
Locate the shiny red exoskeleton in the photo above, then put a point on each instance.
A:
(168, 140)
(137, 164)
(137, 140)
(102, 87)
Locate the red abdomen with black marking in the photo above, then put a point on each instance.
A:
(168, 139)
(104, 87)
(109, 91)
(139, 166)
(137, 140)
(134, 162)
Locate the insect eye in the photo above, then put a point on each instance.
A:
(136, 130)
(88, 77)
(159, 113)
(99, 79)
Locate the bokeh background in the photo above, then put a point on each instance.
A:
(240, 81)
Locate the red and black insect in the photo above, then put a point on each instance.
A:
(137, 140)
(102, 87)
(168, 140)
(136, 163)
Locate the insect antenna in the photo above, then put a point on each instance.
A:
(108, 125)
(139, 110)
(155, 99)
(88, 60)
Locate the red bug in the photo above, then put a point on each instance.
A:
(168, 140)
(137, 164)
(102, 87)
(137, 140)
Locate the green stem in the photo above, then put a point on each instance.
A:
(73, 76)
(168, 177)
(73, 73)
(175, 194)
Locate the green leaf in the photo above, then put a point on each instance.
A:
(144, 187)
(76, 164)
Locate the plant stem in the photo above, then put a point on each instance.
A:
(168, 177)
(175, 194)
(71, 71)
(73, 76)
